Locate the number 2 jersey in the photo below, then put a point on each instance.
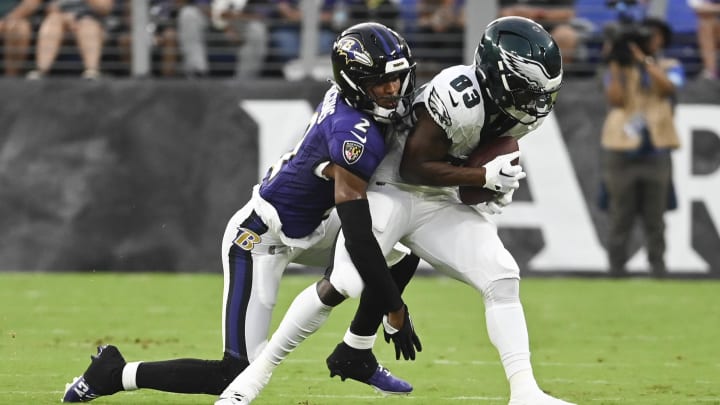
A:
(337, 133)
(454, 100)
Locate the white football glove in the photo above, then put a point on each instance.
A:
(505, 199)
(490, 208)
(495, 207)
(501, 175)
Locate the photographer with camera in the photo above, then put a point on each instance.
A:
(637, 137)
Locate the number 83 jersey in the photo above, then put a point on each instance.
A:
(454, 101)
(337, 134)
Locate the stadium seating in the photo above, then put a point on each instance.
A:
(222, 54)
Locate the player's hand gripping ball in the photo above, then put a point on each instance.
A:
(481, 156)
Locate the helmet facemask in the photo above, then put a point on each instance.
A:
(528, 102)
(402, 100)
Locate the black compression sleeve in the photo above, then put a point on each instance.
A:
(368, 315)
(366, 254)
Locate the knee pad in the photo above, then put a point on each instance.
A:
(502, 292)
(328, 294)
(345, 278)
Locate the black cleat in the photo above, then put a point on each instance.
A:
(102, 377)
(361, 365)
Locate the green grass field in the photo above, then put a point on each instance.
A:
(596, 341)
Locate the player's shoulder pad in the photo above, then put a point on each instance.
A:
(444, 98)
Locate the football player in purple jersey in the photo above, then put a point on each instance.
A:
(294, 215)
(413, 197)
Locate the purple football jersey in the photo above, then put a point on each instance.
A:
(337, 134)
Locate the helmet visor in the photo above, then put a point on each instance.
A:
(530, 105)
(369, 81)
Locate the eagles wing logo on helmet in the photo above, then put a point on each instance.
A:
(354, 50)
(531, 71)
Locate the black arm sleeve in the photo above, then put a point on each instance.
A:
(366, 254)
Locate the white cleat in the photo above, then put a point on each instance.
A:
(247, 386)
(539, 398)
(233, 399)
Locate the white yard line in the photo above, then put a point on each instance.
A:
(408, 397)
(411, 397)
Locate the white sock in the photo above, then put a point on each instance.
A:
(359, 342)
(305, 315)
(508, 333)
(129, 375)
(523, 384)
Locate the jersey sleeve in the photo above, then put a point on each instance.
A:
(357, 145)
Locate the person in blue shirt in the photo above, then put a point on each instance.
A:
(294, 215)
(637, 137)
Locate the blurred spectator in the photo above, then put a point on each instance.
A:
(163, 17)
(188, 27)
(558, 18)
(164, 37)
(192, 25)
(407, 16)
(708, 34)
(181, 25)
(335, 16)
(385, 12)
(16, 32)
(285, 32)
(84, 19)
(345, 13)
(439, 33)
(243, 22)
(638, 136)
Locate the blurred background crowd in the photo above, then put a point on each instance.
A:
(269, 38)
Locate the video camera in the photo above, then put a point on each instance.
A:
(627, 29)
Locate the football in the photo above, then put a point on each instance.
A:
(483, 154)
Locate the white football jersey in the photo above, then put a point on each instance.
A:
(454, 101)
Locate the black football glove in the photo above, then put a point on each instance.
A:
(406, 340)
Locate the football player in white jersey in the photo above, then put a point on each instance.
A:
(508, 91)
